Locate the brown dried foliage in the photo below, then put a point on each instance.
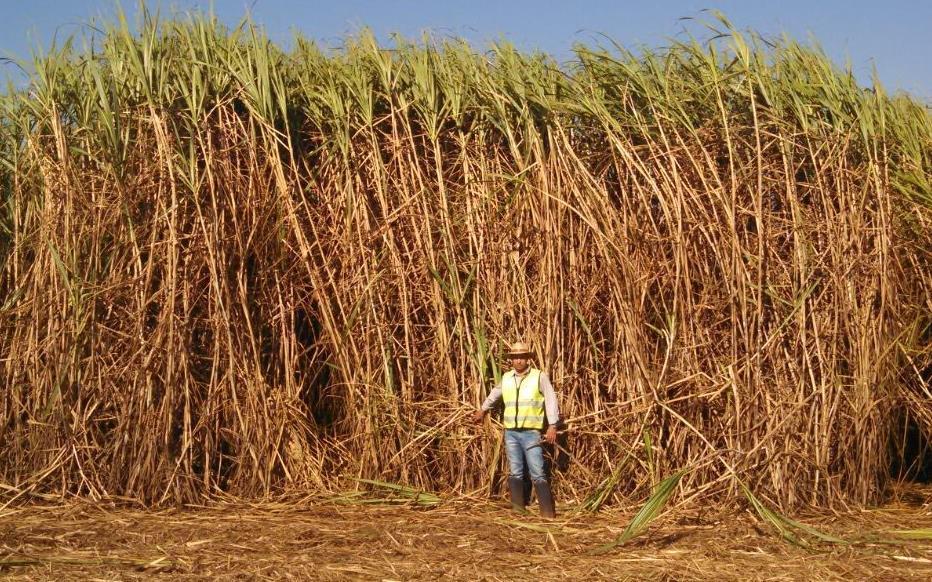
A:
(288, 290)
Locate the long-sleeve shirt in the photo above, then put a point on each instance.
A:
(546, 388)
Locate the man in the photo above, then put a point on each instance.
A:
(528, 395)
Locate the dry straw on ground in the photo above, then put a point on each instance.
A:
(228, 268)
(323, 541)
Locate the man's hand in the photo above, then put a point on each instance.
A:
(551, 436)
(477, 416)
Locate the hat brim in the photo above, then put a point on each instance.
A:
(519, 355)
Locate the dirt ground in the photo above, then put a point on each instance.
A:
(461, 540)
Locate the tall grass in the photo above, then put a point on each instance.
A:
(224, 266)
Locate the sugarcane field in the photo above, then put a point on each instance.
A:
(418, 309)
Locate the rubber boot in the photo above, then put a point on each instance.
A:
(526, 481)
(545, 498)
(516, 489)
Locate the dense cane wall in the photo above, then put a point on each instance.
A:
(224, 267)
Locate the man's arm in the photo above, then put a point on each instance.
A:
(550, 399)
(494, 396)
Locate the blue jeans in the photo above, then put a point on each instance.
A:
(519, 445)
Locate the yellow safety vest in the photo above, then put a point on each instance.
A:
(524, 402)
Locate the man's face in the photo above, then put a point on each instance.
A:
(519, 364)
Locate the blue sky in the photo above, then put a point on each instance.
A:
(893, 35)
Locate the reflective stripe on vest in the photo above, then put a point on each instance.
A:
(524, 402)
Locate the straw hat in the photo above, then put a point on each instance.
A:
(519, 349)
